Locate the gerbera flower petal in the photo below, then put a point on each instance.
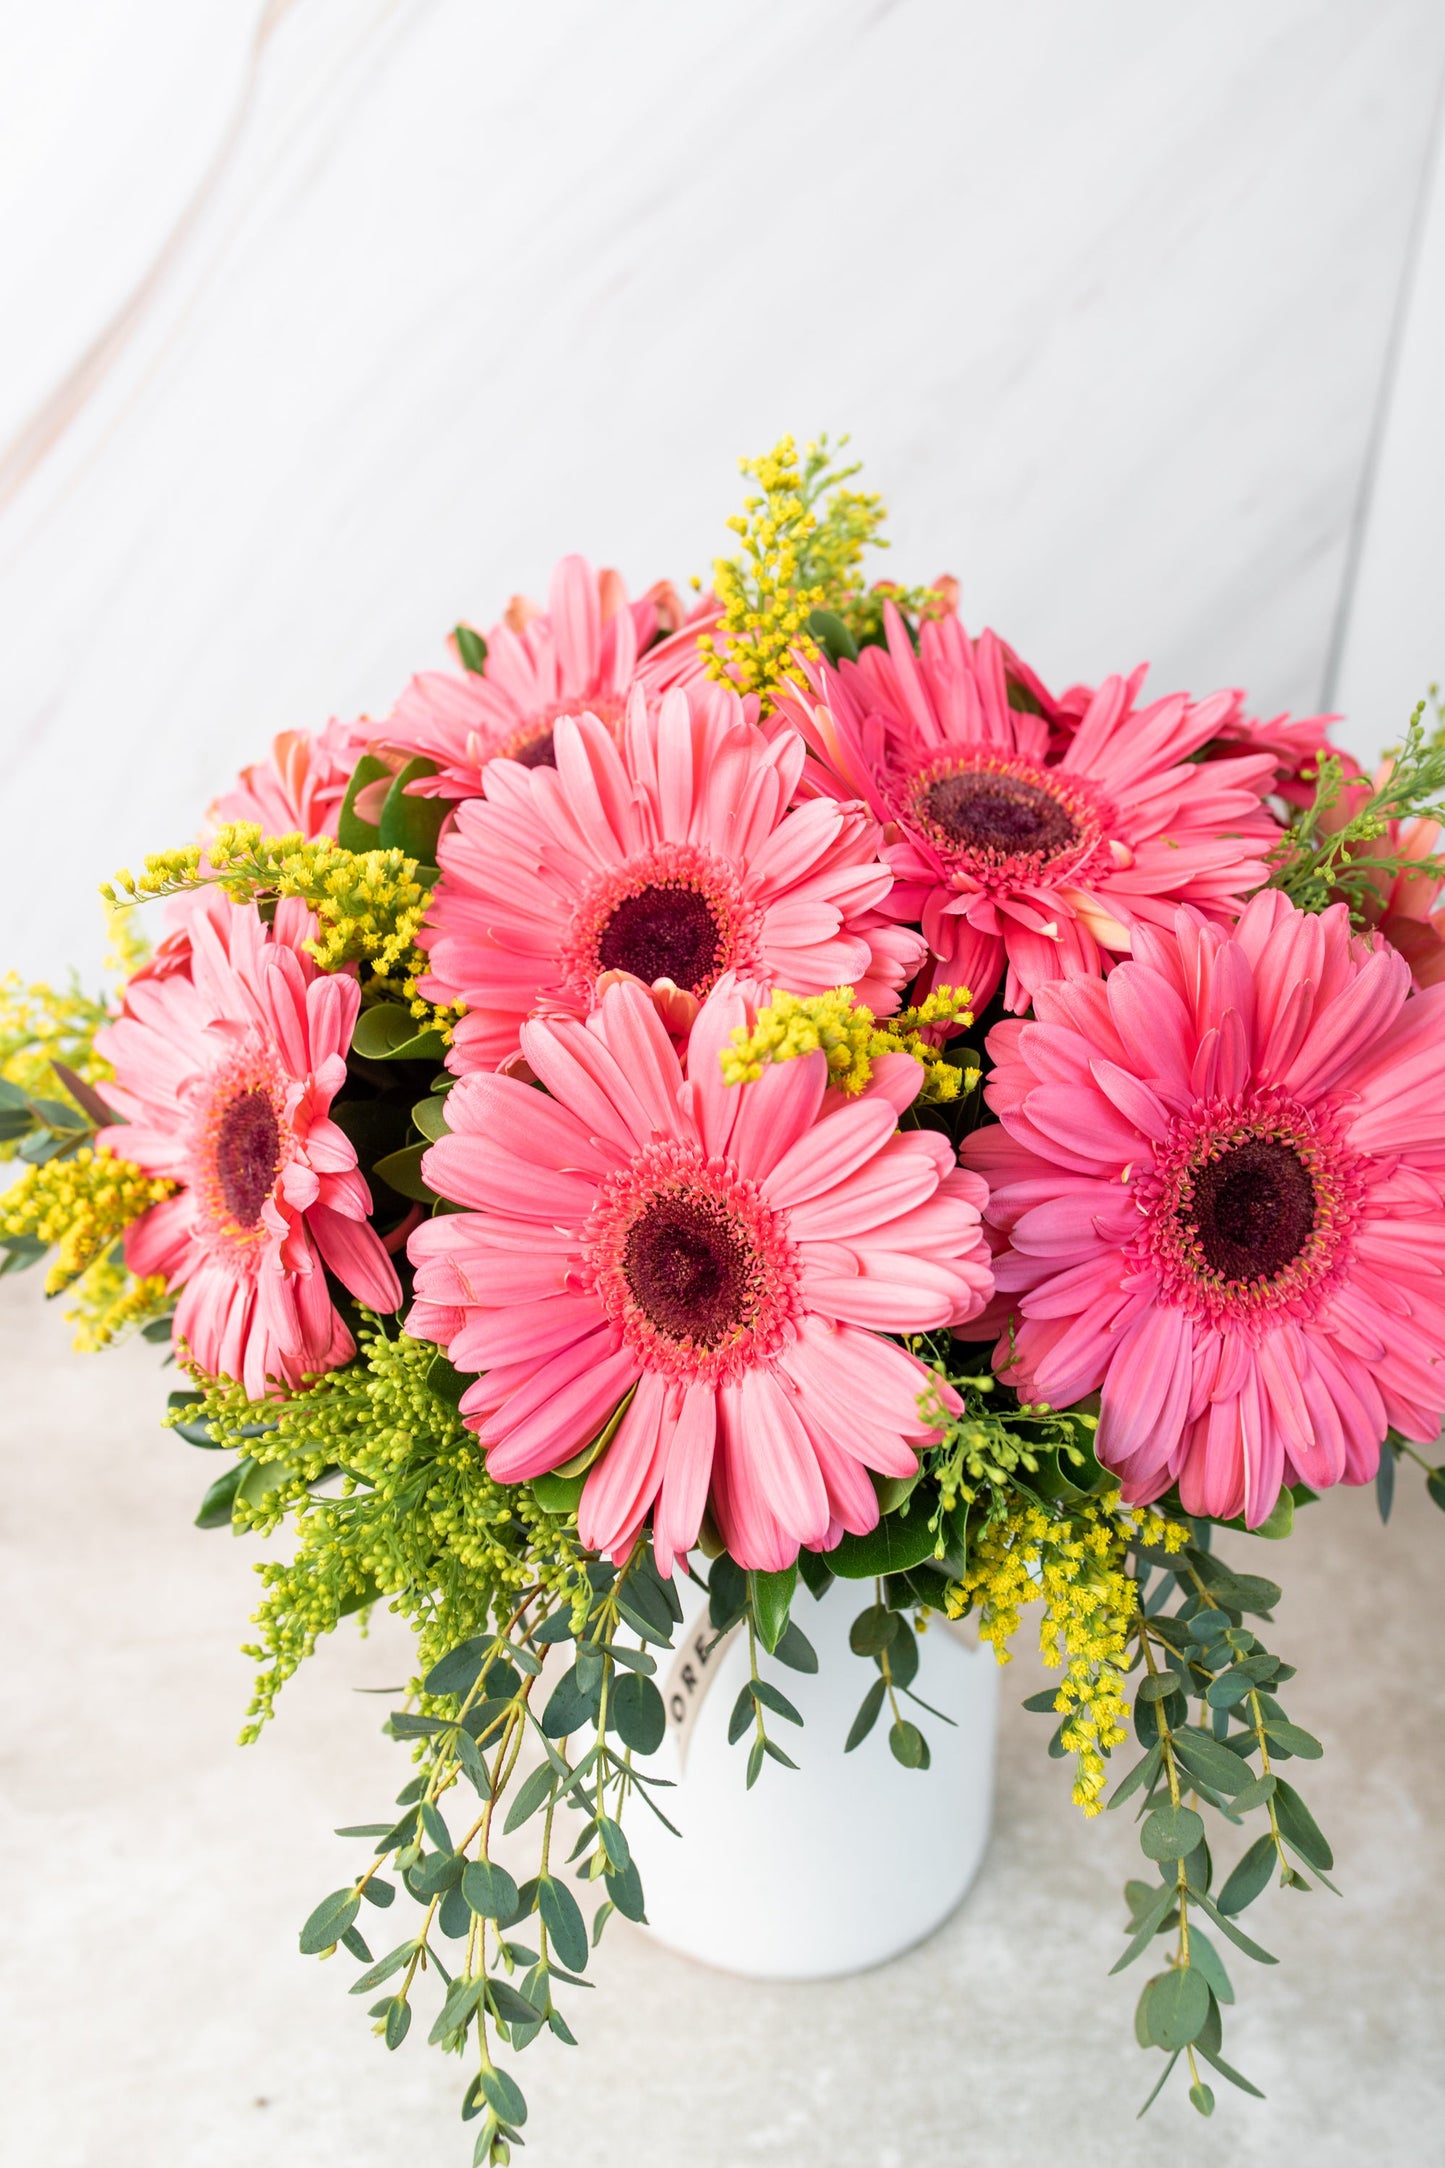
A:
(240, 1115)
(1023, 855)
(1261, 1289)
(670, 856)
(684, 1278)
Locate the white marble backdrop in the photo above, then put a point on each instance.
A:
(331, 320)
(323, 322)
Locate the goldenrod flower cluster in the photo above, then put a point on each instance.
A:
(1073, 1562)
(369, 904)
(793, 561)
(78, 1206)
(803, 540)
(413, 1517)
(848, 1033)
(110, 1302)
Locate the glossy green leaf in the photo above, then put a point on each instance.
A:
(471, 648)
(894, 1546)
(221, 1496)
(411, 824)
(772, 1597)
(353, 833)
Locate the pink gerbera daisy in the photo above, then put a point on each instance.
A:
(580, 653)
(1021, 860)
(224, 1078)
(1220, 1176)
(670, 855)
(300, 789)
(729, 1258)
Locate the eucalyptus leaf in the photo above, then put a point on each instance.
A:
(562, 1917)
(1171, 1832)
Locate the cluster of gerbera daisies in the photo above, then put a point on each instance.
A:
(705, 1032)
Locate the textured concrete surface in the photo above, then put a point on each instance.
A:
(156, 2014)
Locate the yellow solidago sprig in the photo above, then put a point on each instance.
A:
(847, 1031)
(79, 1206)
(390, 1501)
(802, 541)
(1072, 1560)
(369, 904)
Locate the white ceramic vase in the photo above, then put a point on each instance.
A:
(850, 1859)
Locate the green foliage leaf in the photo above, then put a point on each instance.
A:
(353, 833)
(795, 1649)
(1217, 2062)
(1146, 1924)
(471, 649)
(398, 2022)
(764, 1691)
(1176, 2007)
(894, 1546)
(489, 1890)
(1212, 1763)
(460, 1668)
(907, 1744)
(1385, 1480)
(504, 2097)
(1435, 1486)
(538, 1787)
(329, 1922)
(402, 1171)
(568, 1708)
(873, 1630)
(625, 1891)
(1248, 1876)
(412, 824)
(558, 1493)
(636, 1713)
(510, 2008)
(867, 1715)
(384, 1968)
(386, 1031)
(1171, 1832)
(221, 1496)
(562, 1917)
(1293, 1739)
(1299, 1827)
(833, 636)
(1206, 1959)
(772, 1597)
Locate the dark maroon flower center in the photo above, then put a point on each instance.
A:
(691, 1269)
(538, 752)
(1252, 1208)
(980, 810)
(663, 933)
(248, 1155)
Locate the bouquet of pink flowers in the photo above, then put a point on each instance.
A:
(766, 1091)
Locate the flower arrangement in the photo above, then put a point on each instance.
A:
(765, 1091)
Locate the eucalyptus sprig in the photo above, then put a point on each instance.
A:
(1202, 1651)
(475, 1716)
